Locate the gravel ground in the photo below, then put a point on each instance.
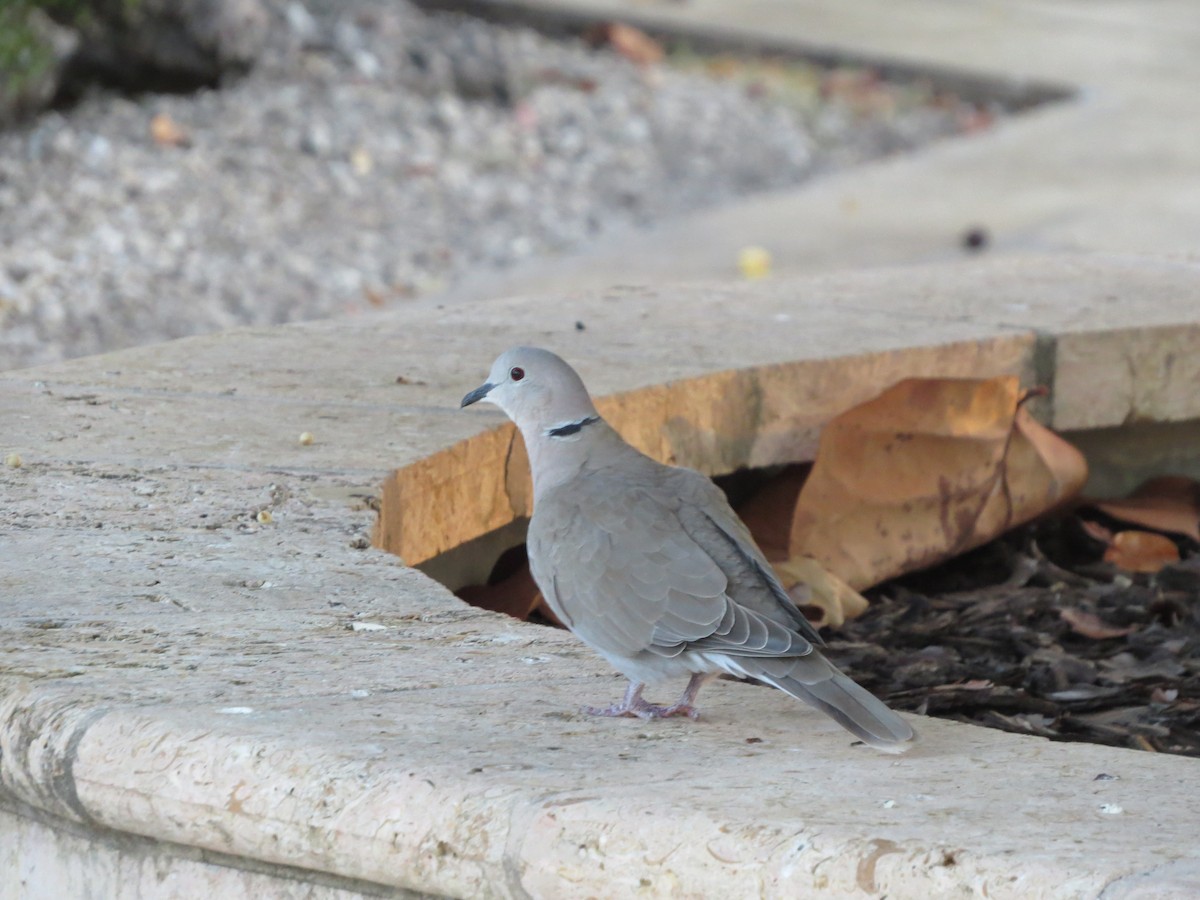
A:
(375, 154)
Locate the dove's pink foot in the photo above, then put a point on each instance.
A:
(634, 706)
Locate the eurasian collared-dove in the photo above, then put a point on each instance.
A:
(652, 568)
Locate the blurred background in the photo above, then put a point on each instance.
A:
(172, 168)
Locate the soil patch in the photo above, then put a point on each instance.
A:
(1034, 634)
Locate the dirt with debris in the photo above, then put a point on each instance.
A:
(1035, 634)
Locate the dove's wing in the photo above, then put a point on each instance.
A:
(705, 513)
(630, 569)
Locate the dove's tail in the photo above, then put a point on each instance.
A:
(818, 683)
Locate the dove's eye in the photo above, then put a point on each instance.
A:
(516, 373)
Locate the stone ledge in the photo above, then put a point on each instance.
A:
(175, 669)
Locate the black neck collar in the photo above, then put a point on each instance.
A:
(570, 428)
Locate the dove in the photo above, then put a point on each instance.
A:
(649, 565)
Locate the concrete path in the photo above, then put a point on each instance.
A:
(1116, 168)
(210, 684)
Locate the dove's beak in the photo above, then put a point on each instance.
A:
(476, 395)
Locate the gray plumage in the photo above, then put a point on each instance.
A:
(650, 566)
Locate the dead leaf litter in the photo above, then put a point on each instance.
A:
(1107, 658)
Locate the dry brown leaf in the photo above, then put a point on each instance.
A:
(768, 514)
(1096, 531)
(930, 468)
(1090, 625)
(1170, 503)
(543, 609)
(1141, 551)
(167, 133)
(724, 66)
(516, 596)
(632, 43)
(811, 587)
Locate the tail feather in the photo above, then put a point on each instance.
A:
(853, 707)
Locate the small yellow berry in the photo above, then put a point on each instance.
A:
(361, 161)
(306, 438)
(754, 263)
(13, 461)
(264, 516)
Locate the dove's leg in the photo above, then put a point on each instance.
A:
(683, 706)
(633, 705)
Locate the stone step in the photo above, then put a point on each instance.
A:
(196, 697)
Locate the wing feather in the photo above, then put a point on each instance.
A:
(638, 568)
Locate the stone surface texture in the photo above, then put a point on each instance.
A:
(209, 675)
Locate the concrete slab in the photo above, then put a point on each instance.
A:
(193, 698)
(1116, 168)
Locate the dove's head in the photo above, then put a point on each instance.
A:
(537, 390)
